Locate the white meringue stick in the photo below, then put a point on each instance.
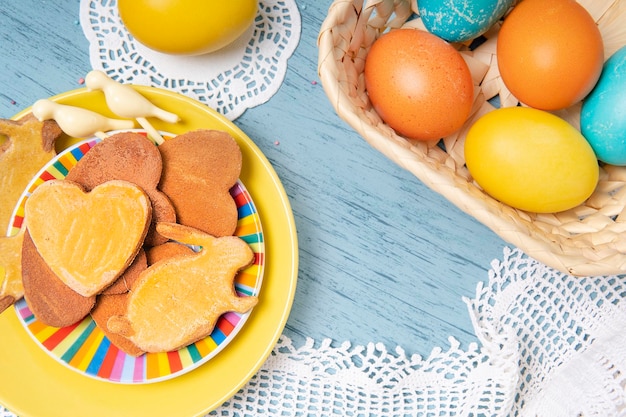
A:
(125, 101)
(76, 121)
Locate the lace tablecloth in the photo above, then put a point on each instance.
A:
(550, 345)
(241, 76)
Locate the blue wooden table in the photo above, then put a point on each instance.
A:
(382, 257)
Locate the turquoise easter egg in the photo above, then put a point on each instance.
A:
(461, 20)
(603, 113)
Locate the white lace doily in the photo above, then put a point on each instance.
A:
(241, 76)
(551, 345)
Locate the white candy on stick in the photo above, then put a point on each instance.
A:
(76, 121)
(125, 101)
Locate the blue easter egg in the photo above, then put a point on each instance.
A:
(461, 20)
(603, 114)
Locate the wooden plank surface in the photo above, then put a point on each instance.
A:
(382, 257)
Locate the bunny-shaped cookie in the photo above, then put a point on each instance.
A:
(178, 300)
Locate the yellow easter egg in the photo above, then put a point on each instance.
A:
(187, 27)
(531, 160)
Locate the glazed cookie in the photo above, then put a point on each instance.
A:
(11, 287)
(28, 146)
(204, 280)
(93, 236)
(69, 258)
(109, 304)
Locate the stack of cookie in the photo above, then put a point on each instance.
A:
(137, 235)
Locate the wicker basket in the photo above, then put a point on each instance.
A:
(587, 240)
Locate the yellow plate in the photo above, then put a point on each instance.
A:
(34, 384)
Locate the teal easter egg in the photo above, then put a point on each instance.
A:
(603, 113)
(461, 20)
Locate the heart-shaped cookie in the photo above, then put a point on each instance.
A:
(132, 157)
(88, 238)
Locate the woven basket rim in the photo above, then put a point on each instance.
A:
(340, 45)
